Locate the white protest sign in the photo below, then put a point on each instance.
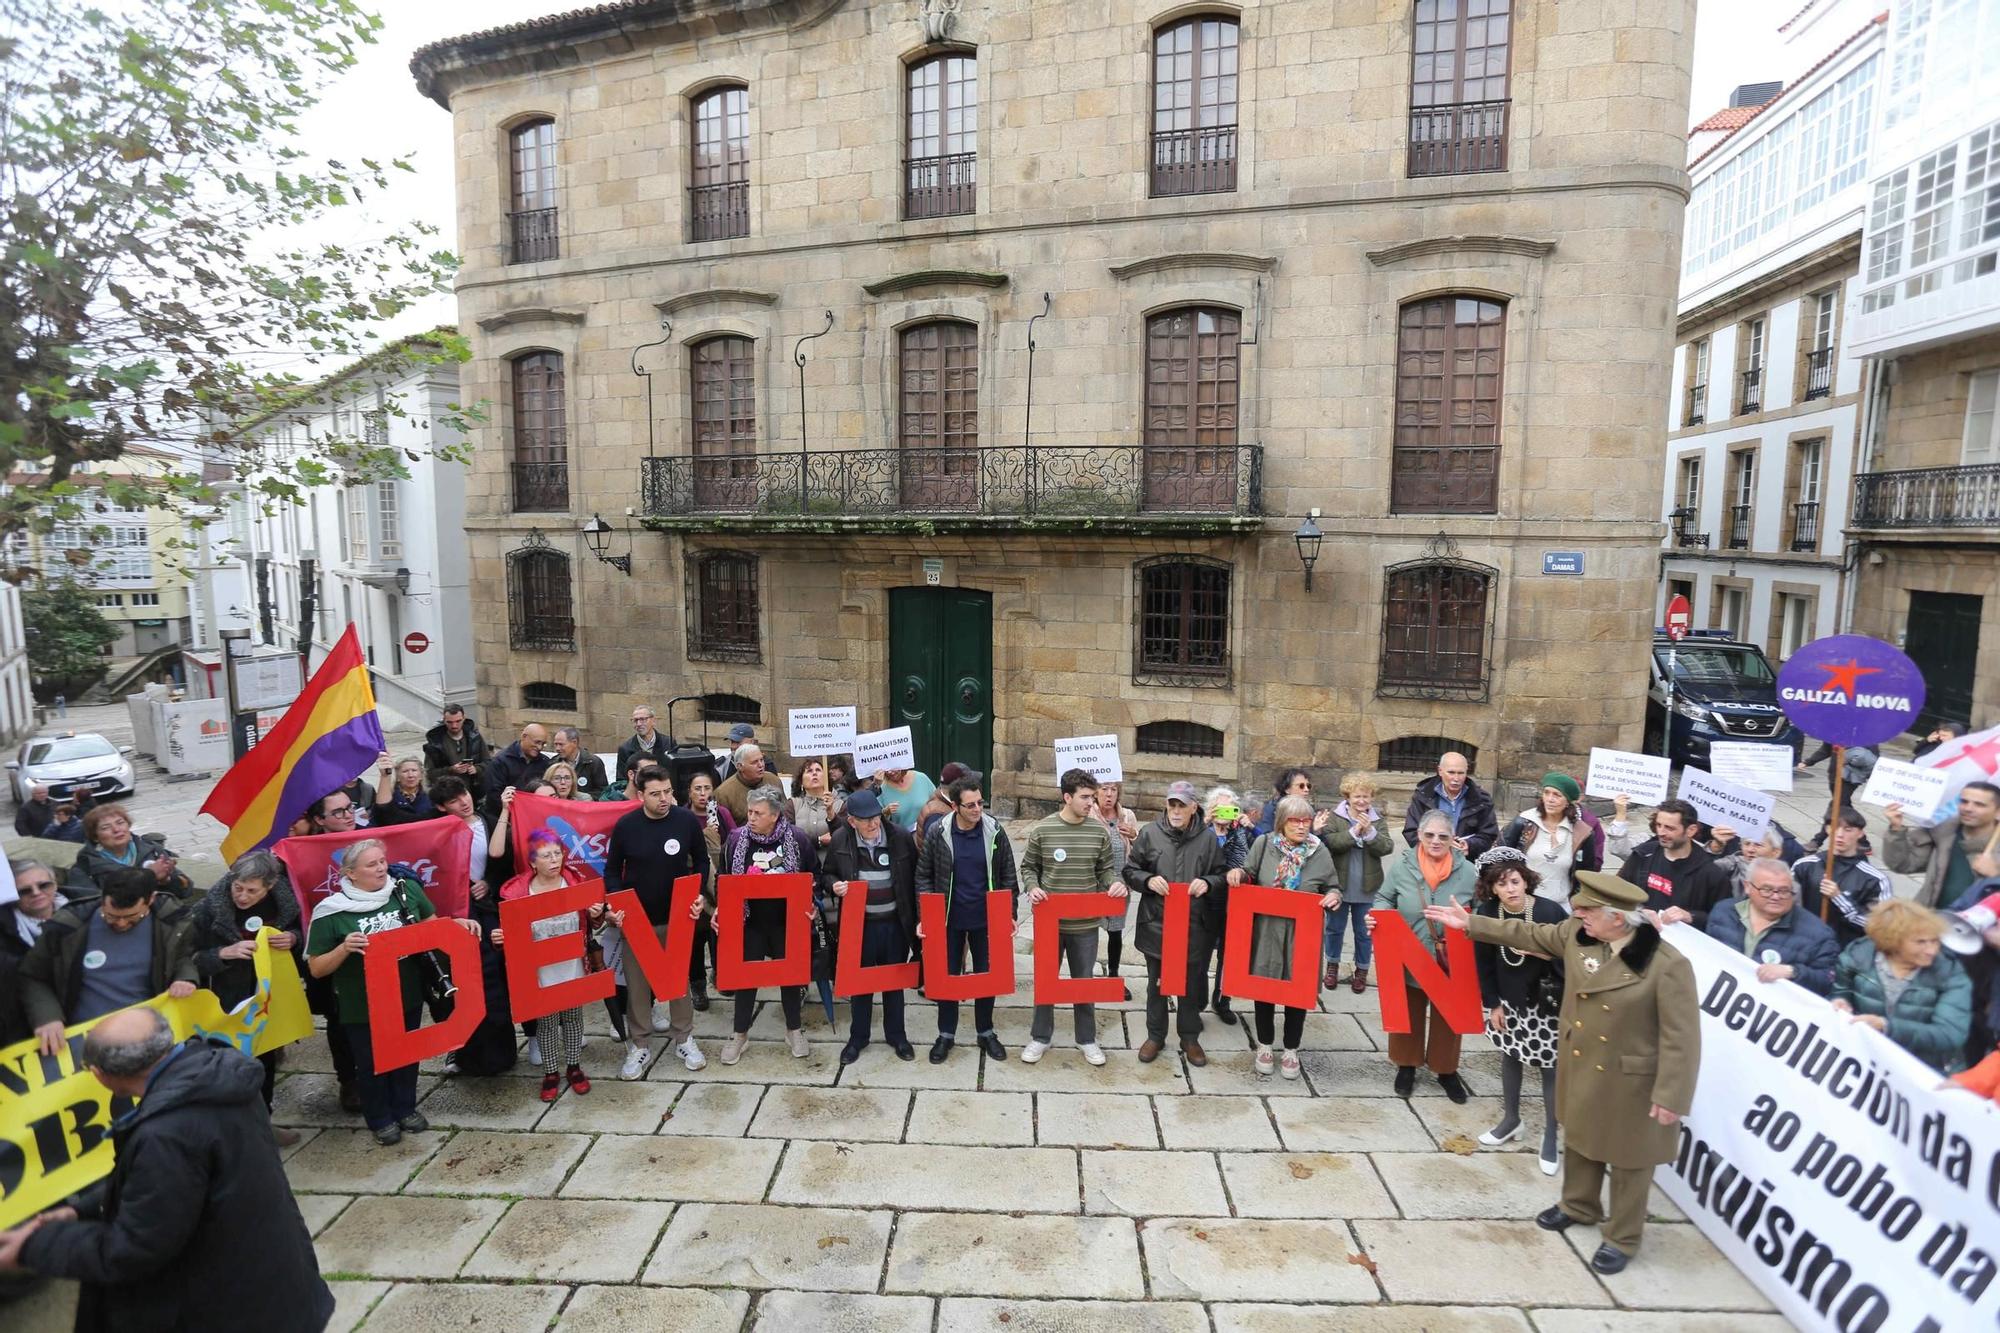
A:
(1643, 777)
(883, 751)
(1095, 755)
(1726, 804)
(1920, 791)
(1752, 764)
(1827, 1163)
(820, 731)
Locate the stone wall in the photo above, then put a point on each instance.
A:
(1321, 242)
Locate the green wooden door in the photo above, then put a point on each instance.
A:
(941, 674)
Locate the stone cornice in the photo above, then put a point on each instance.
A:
(1525, 246)
(1844, 253)
(1193, 259)
(505, 319)
(673, 305)
(933, 277)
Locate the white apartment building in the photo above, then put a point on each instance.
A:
(1926, 522)
(1764, 426)
(17, 700)
(390, 557)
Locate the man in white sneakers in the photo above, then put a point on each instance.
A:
(649, 849)
(1070, 852)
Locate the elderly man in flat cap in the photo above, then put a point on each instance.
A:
(1631, 1047)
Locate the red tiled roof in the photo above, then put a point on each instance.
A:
(1721, 120)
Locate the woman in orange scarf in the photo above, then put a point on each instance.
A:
(1429, 874)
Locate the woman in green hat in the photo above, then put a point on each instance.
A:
(1559, 837)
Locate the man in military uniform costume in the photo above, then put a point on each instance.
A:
(1631, 1047)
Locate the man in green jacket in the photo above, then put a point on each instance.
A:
(105, 954)
(1070, 852)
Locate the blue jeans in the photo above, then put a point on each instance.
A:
(1336, 926)
(956, 944)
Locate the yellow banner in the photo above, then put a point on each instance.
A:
(55, 1118)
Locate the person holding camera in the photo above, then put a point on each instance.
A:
(369, 901)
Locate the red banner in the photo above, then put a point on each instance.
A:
(1050, 986)
(394, 1044)
(438, 851)
(1247, 902)
(933, 913)
(1401, 960)
(583, 826)
(526, 956)
(849, 976)
(793, 967)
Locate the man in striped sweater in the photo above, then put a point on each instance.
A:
(1070, 852)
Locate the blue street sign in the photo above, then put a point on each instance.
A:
(1562, 562)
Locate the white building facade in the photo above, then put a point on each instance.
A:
(17, 700)
(1765, 423)
(388, 557)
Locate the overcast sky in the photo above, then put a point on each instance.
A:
(376, 105)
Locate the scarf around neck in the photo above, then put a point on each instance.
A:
(347, 898)
(1436, 869)
(1292, 860)
(781, 840)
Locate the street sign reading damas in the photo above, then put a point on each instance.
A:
(1849, 689)
(1562, 562)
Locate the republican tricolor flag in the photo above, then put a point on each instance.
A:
(1973, 758)
(328, 735)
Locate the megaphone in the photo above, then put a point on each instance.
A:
(1965, 932)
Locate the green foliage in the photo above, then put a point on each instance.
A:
(149, 175)
(66, 635)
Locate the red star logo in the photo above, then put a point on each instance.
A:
(1986, 754)
(1844, 678)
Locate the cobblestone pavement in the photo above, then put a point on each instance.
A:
(787, 1194)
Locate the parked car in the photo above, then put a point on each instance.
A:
(1723, 691)
(71, 762)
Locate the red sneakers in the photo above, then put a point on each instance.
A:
(578, 1083)
(551, 1087)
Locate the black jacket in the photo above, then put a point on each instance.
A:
(841, 862)
(1476, 823)
(1862, 885)
(1180, 856)
(13, 1020)
(52, 973)
(441, 752)
(590, 779)
(635, 753)
(216, 923)
(33, 817)
(87, 874)
(1515, 983)
(511, 768)
(196, 1227)
(1695, 884)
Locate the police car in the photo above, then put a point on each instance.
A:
(1723, 691)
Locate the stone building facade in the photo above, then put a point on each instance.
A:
(1405, 271)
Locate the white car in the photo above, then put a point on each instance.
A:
(69, 762)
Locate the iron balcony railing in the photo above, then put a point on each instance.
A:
(1459, 138)
(1194, 161)
(1752, 394)
(1023, 481)
(1697, 403)
(1739, 527)
(940, 187)
(534, 233)
(541, 487)
(1805, 525)
(1931, 497)
(719, 211)
(1819, 373)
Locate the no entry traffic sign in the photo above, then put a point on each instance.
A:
(416, 641)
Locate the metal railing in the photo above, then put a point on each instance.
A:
(1194, 161)
(1081, 481)
(1684, 537)
(1697, 403)
(534, 236)
(541, 488)
(940, 187)
(1931, 497)
(1459, 138)
(1805, 526)
(1739, 527)
(1751, 397)
(1819, 374)
(718, 211)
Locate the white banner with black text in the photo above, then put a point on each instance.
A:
(1834, 1168)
